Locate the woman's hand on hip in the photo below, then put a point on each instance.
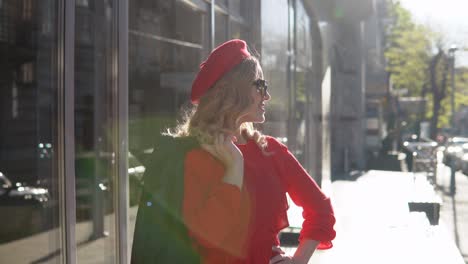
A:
(283, 259)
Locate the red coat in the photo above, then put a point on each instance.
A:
(230, 226)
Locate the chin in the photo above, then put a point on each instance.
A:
(257, 118)
(260, 119)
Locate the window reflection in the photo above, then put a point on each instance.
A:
(235, 6)
(94, 133)
(275, 62)
(238, 30)
(29, 202)
(166, 44)
(220, 28)
(222, 3)
(302, 81)
(287, 65)
(162, 65)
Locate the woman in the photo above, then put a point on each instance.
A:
(227, 200)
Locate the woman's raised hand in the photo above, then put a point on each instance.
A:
(225, 150)
(228, 153)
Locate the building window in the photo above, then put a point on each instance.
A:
(27, 73)
(83, 3)
(221, 28)
(27, 9)
(14, 100)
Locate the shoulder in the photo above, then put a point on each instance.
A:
(199, 156)
(167, 142)
(167, 146)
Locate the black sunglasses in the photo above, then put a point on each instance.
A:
(262, 86)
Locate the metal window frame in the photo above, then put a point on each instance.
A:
(120, 91)
(212, 24)
(198, 5)
(165, 39)
(66, 128)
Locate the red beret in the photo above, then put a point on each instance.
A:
(221, 60)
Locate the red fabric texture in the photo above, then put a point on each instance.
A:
(233, 226)
(221, 60)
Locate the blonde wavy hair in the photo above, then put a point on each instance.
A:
(222, 108)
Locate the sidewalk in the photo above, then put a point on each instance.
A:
(374, 225)
(454, 212)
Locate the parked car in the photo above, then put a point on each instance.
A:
(422, 157)
(464, 159)
(453, 153)
(23, 209)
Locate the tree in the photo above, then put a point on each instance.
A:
(438, 70)
(412, 65)
(408, 51)
(461, 96)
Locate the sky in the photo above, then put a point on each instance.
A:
(450, 17)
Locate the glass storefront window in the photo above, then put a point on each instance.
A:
(222, 3)
(166, 45)
(235, 7)
(303, 42)
(238, 30)
(162, 20)
(275, 64)
(94, 133)
(29, 200)
(302, 79)
(161, 69)
(221, 21)
(239, 21)
(242, 8)
(167, 42)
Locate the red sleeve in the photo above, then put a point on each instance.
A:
(211, 208)
(318, 213)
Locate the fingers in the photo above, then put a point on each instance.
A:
(281, 259)
(223, 143)
(216, 149)
(276, 259)
(224, 149)
(220, 145)
(277, 249)
(233, 138)
(226, 139)
(209, 148)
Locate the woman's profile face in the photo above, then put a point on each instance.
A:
(255, 113)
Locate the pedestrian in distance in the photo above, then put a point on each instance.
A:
(215, 187)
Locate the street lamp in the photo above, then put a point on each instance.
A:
(451, 53)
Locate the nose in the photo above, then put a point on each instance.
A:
(267, 96)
